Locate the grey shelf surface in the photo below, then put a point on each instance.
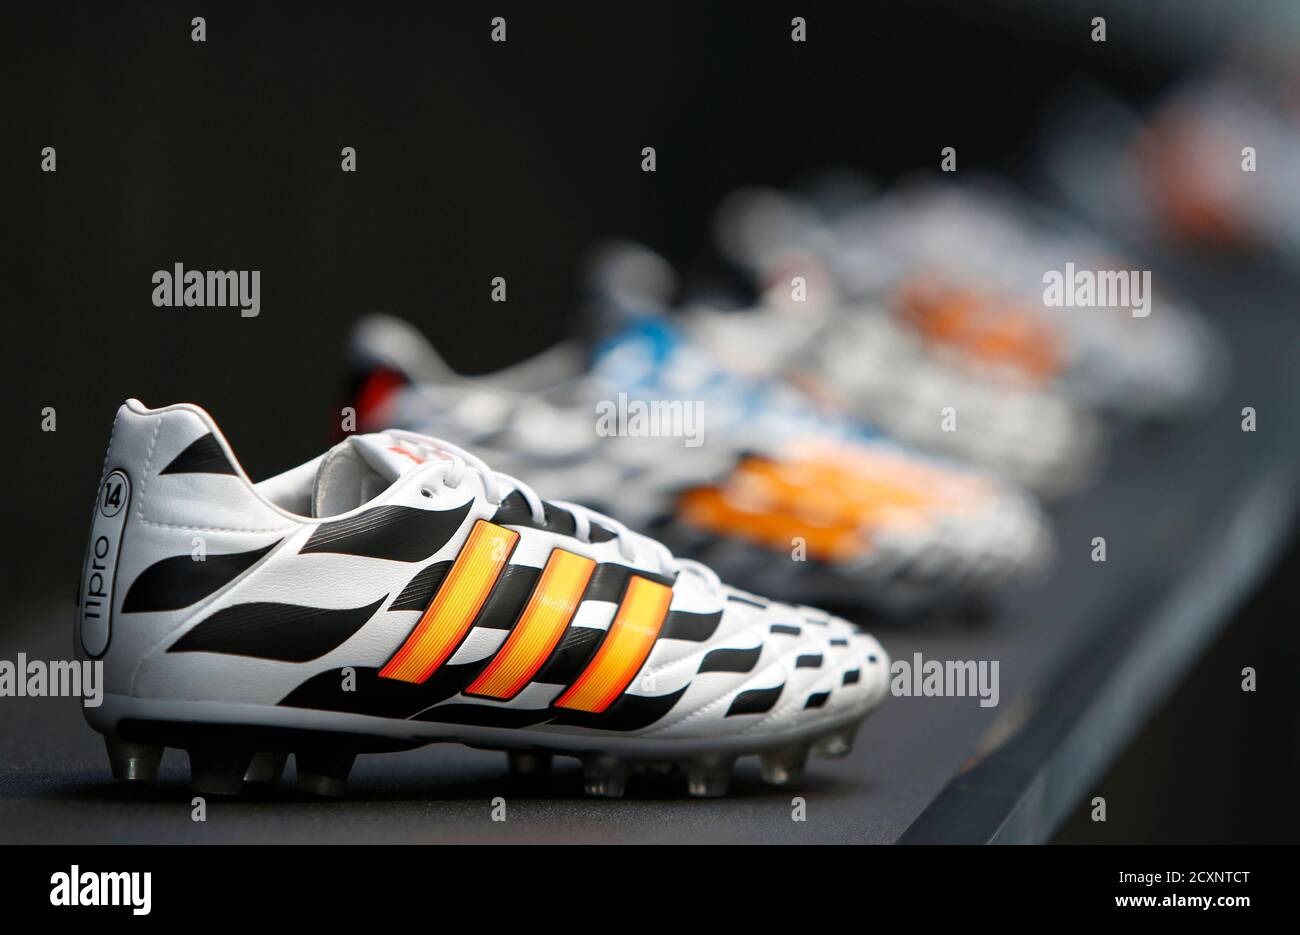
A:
(1192, 513)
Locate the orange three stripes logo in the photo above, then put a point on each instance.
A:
(624, 650)
(451, 613)
(539, 628)
(543, 621)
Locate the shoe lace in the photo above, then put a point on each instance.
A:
(455, 461)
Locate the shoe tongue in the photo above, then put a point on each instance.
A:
(359, 469)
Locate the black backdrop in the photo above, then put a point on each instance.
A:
(475, 159)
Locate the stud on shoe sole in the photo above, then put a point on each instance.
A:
(219, 769)
(133, 762)
(783, 767)
(604, 777)
(265, 769)
(529, 765)
(324, 774)
(709, 778)
(837, 744)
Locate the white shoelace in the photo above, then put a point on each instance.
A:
(454, 461)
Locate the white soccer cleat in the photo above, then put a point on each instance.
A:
(396, 591)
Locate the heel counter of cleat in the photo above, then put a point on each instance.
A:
(117, 493)
(169, 489)
(385, 355)
(369, 393)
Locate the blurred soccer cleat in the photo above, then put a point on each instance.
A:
(790, 496)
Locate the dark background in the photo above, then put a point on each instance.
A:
(475, 160)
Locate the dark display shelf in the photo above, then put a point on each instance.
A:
(1193, 514)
